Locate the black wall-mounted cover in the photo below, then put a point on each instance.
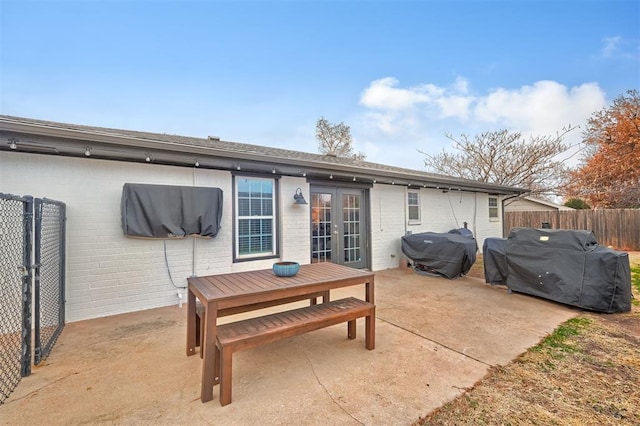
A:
(165, 211)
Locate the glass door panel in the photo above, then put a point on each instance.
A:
(352, 240)
(338, 231)
(321, 227)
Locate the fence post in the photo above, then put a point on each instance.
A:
(26, 286)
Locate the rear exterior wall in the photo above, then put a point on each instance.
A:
(108, 273)
(440, 211)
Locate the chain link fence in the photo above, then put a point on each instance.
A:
(27, 259)
(16, 215)
(49, 274)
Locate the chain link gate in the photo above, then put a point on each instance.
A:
(17, 275)
(16, 221)
(49, 274)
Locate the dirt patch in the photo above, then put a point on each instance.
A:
(585, 373)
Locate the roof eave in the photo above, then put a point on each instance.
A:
(199, 151)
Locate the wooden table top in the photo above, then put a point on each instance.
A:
(253, 283)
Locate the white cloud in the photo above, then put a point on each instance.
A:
(611, 45)
(383, 94)
(418, 117)
(454, 106)
(544, 108)
(619, 48)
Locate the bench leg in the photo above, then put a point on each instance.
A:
(370, 326)
(200, 319)
(351, 329)
(225, 375)
(325, 298)
(198, 331)
(216, 367)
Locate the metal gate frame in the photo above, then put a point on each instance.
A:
(19, 245)
(49, 277)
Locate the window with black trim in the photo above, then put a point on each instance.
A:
(255, 217)
(413, 207)
(493, 208)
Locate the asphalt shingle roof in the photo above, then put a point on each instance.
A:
(284, 156)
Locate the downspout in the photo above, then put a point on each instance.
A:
(195, 245)
(405, 202)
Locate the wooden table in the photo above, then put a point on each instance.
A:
(227, 294)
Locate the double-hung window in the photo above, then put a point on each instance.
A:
(493, 209)
(413, 207)
(255, 217)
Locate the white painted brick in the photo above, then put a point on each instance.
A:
(109, 273)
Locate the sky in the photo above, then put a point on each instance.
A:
(401, 74)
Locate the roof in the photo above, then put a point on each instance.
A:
(56, 138)
(538, 201)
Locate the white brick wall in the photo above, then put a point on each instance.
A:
(439, 212)
(109, 273)
(387, 225)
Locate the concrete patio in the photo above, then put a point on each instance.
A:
(435, 337)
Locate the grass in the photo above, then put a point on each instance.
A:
(635, 284)
(558, 343)
(584, 373)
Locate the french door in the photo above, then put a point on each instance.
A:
(338, 226)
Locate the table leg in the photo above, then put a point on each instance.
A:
(208, 362)
(191, 323)
(370, 321)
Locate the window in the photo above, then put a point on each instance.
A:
(493, 209)
(413, 207)
(255, 218)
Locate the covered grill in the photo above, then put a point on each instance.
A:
(566, 266)
(450, 255)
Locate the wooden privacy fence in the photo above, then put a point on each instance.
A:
(618, 228)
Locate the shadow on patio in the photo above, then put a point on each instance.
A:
(434, 338)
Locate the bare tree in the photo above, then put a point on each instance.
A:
(335, 140)
(506, 158)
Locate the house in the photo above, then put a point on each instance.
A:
(530, 204)
(355, 211)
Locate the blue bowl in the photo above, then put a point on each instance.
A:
(286, 269)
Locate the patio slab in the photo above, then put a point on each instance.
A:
(434, 338)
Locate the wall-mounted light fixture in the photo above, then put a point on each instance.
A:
(330, 176)
(197, 163)
(87, 151)
(354, 178)
(13, 143)
(273, 171)
(299, 197)
(147, 158)
(238, 168)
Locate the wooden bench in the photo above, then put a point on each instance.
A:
(253, 332)
(201, 311)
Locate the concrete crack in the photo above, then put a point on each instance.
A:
(313, 370)
(434, 341)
